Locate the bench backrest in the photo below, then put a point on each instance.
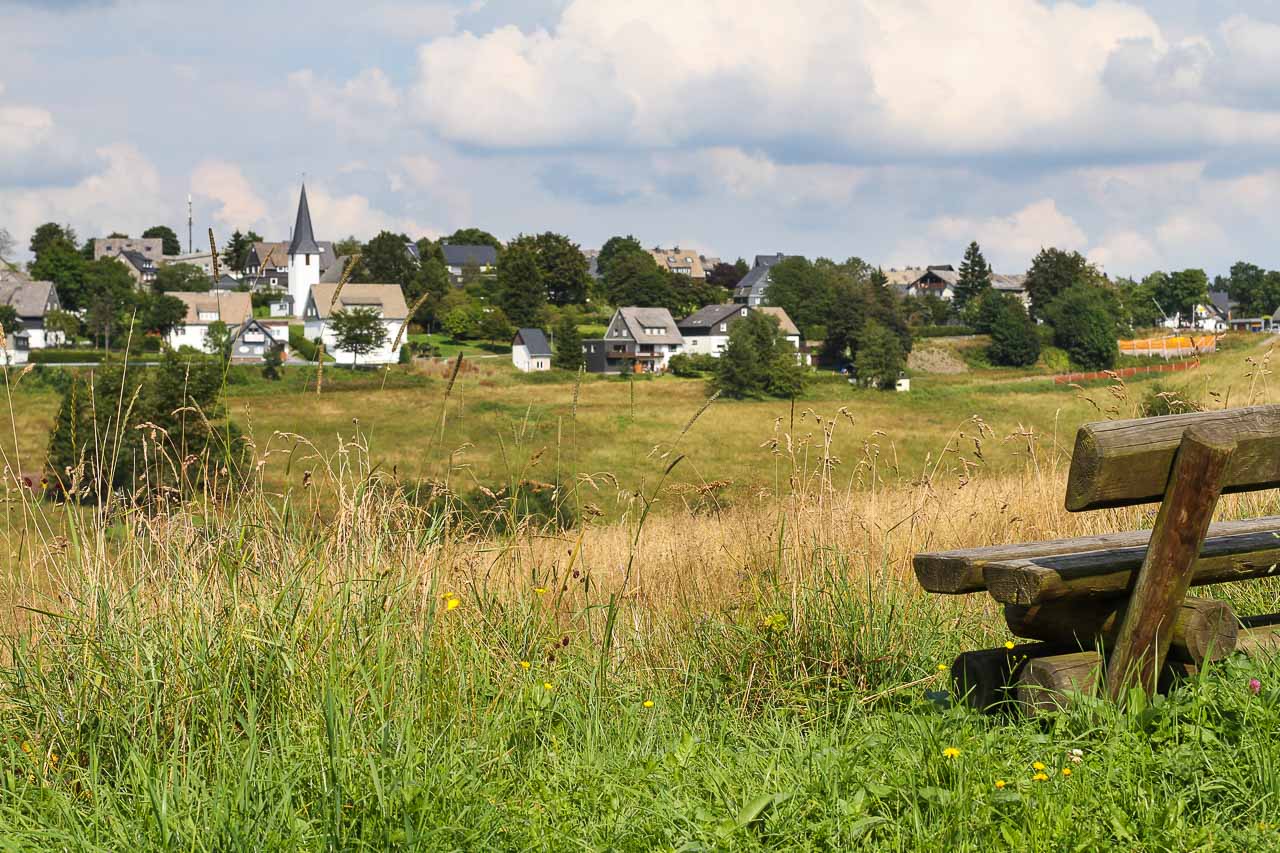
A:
(1121, 463)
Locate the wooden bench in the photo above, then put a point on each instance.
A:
(1111, 612)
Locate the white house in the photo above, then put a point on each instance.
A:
(530, 350)
(639, 340)
(328, 298)
(706, 331)
(32, 301)
(233, 308)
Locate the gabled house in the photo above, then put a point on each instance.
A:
(706, 331)
(638, 340)
(751, 289)
(1014, 285)
(233, 309)
(254, 338)
(679, 261)
(386, 300)
(530, 351)
(457, 258)
(32, 301)
(789, 329)
(110, 247)
(140, 266)
(203, 260)
(939, 280)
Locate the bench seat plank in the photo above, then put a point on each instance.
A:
(1101, 574)
(960, 572)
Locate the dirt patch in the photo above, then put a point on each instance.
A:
(935, 359)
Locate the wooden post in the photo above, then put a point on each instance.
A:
(1162, 582)
(983, 679)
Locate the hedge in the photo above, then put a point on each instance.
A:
(941, 331)
(66, 356)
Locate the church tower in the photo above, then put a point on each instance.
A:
(304, 258)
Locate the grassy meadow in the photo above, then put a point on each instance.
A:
(728, 651)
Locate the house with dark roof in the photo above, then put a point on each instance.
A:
(638, 340)
(140, 266)
(31, 301)
(460, 257)
(706, 331)
(530, 350)
(751, 289)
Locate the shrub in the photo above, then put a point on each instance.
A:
(691, 365)
(67, 356)
(1014, 340)
(758, 361)
(880, 359)
(1084, 326)
(299, 344)
(1162, 400)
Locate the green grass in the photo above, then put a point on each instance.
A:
(447, 347)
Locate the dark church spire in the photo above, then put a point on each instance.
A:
(304, 240)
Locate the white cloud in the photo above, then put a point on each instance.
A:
(123, 194)
(239, 204)
(364, 107)
(1125, 253)
(422, 171)
(1013, 240)
(339, 215)
(22, 128)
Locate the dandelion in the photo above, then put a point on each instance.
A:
(1040, 777)
(26, 747)
(999, 784)
(951, 752)
(1036, 765)
(524, 664)
(1066, 771)
(942, 667)
(546, 685)
(1008, 644)
(1254, 686)
(648, 703)
(540, 590)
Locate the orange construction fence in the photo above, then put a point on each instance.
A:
(1174, 346)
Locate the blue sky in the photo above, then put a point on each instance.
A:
(1145, 135)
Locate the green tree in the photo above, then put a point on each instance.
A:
(348, 246)
(62, 323)
(1052, 272)
(975, 277)
(758, 360)
(880, 358)
(1084, 324)
(9, 322)
(473, 237)
(520, 291)
(494, 326)
(171, 245)
(61, 263)
(462, 322)
(1139, 302)
(235, 255)
(359, 331)
(561, 263)
(49, 234)
(162, 314)
(1255, 291)
(428, 290)
(109, 297)
(218, 340)
(726, 276)
(386, 260)
(1180, 291)
(180, 278)
(272, 360)
(568, 353)
(614, 248)
(805, 290)
(1014, 339)
(635, 279)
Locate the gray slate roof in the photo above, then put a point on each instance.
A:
(639, 319)
(30, 299)
(534, 339)
(461, 255)
(707, 317)
(756, 280)
(304, 239)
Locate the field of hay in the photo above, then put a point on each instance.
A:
(731, 654)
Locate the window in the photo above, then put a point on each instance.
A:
(308, 257)
(22, 343)
(724, 327)
(744, 312)
(208, 316)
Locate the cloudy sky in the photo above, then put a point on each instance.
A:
(1146, 135)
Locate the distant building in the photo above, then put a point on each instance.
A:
(788, 328)
(141, 267)
(110, 247)
(638, 340)
(680, 261)
(706, 331)
(203, 260)
(31, 301)
(751, 289)
(203, 310)
(530, 350)
(386, 300)
(457, 258)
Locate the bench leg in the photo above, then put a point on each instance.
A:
(1162, 581)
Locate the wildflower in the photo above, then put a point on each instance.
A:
(452, 604)
(1066, 771)
(999, 783)
(1008, 644)
(546, 685)
(648, 703)
(774, 622)
(524, 664)
(1036, 765)
(951, 752)
(540, 590)
(1254, 686)
(1076, 756)
(26, 747)
(53, 758)
(1040, 777)
(942, 667)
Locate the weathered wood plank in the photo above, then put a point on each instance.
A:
(1103, 574)
(1146, 630)
(1118, 463)
(1052, 683)
(1260, 636)
(961, 571)
(1204, 629)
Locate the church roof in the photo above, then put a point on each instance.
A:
(304, 239)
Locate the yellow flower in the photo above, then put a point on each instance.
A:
(951, 752)
(445, 596)
(26, 747)
(1036, 765)
(1066, 771)
(999, 783)
(540, 590)
(53, 758)
(1040, 777)
(942, 667)
(524, 664)
(452, 604)
(546, 685)
(1008, 644)
(648, 703)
